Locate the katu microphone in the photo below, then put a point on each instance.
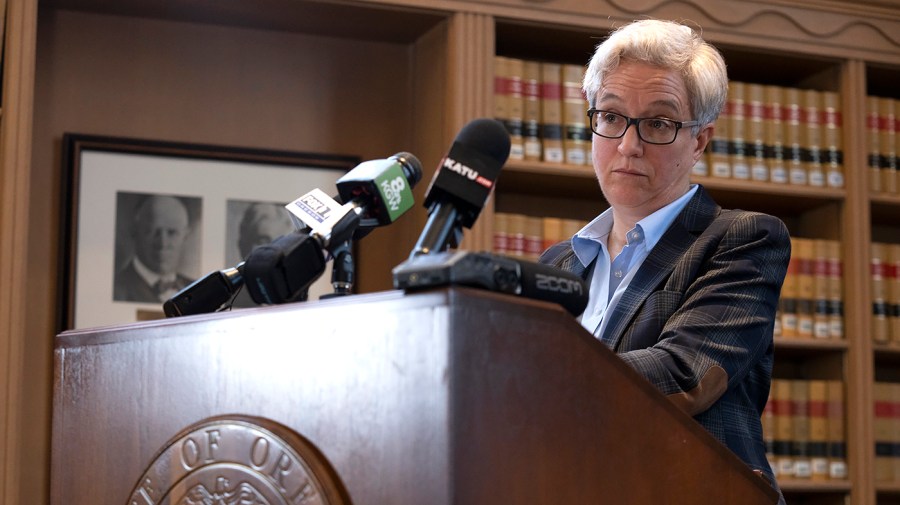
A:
(462, 184)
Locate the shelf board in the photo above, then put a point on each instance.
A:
(807, 345)
(809, 486)
(579, 181)
(887, 487)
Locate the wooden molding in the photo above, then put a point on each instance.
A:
(15, 174)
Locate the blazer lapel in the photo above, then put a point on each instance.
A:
(696, 216)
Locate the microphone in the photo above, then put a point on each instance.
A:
(382, 187)
(462, 184)
(206, 294)
(377, 192)
(494, 272)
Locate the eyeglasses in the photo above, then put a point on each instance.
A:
(652, 130)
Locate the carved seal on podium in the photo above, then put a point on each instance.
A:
(231, 460)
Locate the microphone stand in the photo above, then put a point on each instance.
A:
(342, 272)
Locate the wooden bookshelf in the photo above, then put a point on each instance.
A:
(415, 71)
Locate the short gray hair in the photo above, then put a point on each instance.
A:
(668, 45)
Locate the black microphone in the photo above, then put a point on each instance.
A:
(377, 193)
(206, 294)
(462, 183)
(494, 272)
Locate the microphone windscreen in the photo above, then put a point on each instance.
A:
(487, 136)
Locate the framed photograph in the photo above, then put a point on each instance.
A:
(142, 219)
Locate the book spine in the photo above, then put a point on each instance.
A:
(531, 111)
(774, 128)
(873, 134)
(837, 445)
(793, 133)
(517, 233)
(812, 138)
(833, 139)
(880, 328)
(800, 429)
(805, 287)
(818, 429)
(577, 134)
(552, 231)
(516, 100)
(719, 158)
(756, 132)
(835, 290)
(888, 142)
(534, 238)
(821, 281)
(740, 166)
(783, 417)
(501, 233)
(551, 113)
(894, 292)
(883, 432)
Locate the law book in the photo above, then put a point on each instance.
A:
(793, 137)
(531, 111)
(756, 132)
(880, 326)
(774, 131)
(719, 159)
(517, 231)
(821, 285)
(534, 238)
(516, 108)
(835, 272)
(805, 287)
(837, 441)
(832, 139)
(552, 231)
(873, 138)
(818, 429)
(577, 133)
(812, 137)
(501, 233)
(551, 113)
(783, 420)
(882, 427)
(740, 164)
(788, 302)
(800, 447)
(571, 227)
(892, 271)
(888, 144)
(894, 389)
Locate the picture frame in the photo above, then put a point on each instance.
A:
(134, 210)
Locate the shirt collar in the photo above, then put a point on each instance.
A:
(588, 241)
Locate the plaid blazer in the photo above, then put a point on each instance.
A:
(697, 318)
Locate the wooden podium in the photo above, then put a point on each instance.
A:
(452, 396)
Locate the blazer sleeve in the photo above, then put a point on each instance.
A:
(710, 326)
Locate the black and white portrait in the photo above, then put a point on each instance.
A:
(157, 246)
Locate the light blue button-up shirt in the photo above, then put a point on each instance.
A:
(590, 243)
